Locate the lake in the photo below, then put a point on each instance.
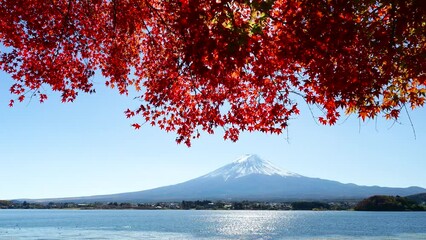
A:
(191, 224)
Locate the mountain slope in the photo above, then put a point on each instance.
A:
(251, 178)
(418, 198)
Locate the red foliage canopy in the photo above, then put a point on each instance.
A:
(235, 64)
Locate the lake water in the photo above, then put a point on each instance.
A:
(180, 224)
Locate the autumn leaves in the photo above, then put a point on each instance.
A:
(237, 65)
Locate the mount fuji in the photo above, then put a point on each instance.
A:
(251, 178)
(248, 165)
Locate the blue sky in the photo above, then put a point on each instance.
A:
(88, 147)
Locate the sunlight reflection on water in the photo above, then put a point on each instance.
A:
(250, 223)
(210, 225)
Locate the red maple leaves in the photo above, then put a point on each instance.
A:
(136, 125)
(237, 65)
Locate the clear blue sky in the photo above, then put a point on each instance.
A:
(88, 147)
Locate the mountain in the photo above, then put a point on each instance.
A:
(248, 165)
(250, 178)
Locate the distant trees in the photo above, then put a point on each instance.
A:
(198, 205)
(388, 203)
(374, 203)
(5, 204)
(309, 205)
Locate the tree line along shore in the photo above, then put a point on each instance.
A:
(374, 203)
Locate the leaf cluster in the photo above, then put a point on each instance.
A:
(239, 65)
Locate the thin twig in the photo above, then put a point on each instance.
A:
(375, 125)
(359, 125)
(411, 122)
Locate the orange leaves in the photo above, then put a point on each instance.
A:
(237, 65)
(393, 114)
(363, 114)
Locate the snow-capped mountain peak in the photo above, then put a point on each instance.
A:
(246, 165)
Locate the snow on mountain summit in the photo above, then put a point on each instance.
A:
(246, 165)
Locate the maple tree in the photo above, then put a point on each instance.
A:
(232, 64)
